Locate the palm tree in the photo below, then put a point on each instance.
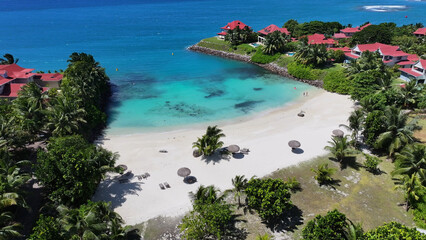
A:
(398, 132)
(411, 187)
(313, 54)
(412, 161)
(206, 195)
(323, 173)
(210, 141)
(275, 42)
(66, 116)
(339, 147)
(353, 231)
(409, 94)
(356, 120)
(263, 237)
(239, 183)
(8, 59)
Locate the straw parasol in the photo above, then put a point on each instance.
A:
(338, 133)
(294, 144)
(233, 148)
(183, 172)
(122, 166)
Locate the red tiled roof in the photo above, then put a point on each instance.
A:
(234, 24)
(421, 31)
(339, 36)
(272, 28)
(403, 63)
(386, 50)
(319, 39)
(344, 49)
(222, 33)
(5, 80)
(44, 89)
(350, 55)
(423, 63)
(355, 29)
(413, 57)
(50, 76)
(15, 88)
(410, 71)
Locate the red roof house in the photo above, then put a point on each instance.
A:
(272, 28)
(13, 77)
(349, 32)
(391, 55)
(321, 39)
(338, 36)
(417, 72)
(231, 26)
(421, 32)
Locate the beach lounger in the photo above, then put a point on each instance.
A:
(166, 184)
(140, 177)
(147, 174)
(162, 186)
(163, 151)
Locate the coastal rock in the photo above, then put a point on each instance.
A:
(245, 58)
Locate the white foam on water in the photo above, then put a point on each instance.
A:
(385, 8)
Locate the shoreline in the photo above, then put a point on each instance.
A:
(266, 135)
(272, 67)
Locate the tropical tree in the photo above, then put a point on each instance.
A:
(371, 163)
(311, 54)
(8, 227)
(210, 141)
(8, 59)
(393, 230)
(323, 173)
(275, 42)
(206, 195)
(269, 197)
(66, 116)
(330, 226)
(411, 186)
(356, 120)
(339, 147)
(398, 132)
(409, 94)
(240, 184)
(72, 168)
(412, 161)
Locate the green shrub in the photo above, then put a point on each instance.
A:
(283, 61)
(394, 230)
(330, 226)
(291, 46)
(301, 71)
(246, 49)
(338, 56)
(260, 57)
(371, 163)
(337, 81)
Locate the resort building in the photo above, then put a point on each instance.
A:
(14, 77)
(421, 32)
(350, 31)
(268, 30)
(411, 60)
(321, 39)
(338, 36)
(391, 55)
(231, 26)
(417, 72)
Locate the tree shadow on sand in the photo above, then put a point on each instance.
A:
(215, 158)
(289, 221)
(111, 190)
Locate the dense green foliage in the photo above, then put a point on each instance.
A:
(210, 141)
(336, 81)
(392, 231)
(260, 57)
(269, 197)
(72, 168)
(301, 71)
(312, 54)
(331, 226)
(374, 33)
(307, 28)
(239, 36)
(47, 228)
(371, 163)
(275, 42)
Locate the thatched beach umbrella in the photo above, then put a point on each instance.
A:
(233, 148)
(183, 172)
(338, 133)
(294, 144)
(196, 153)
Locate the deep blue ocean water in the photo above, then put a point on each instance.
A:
(158, 82)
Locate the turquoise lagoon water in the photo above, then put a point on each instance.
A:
(158, 82)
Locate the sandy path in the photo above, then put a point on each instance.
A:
(266, 135)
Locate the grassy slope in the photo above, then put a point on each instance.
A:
(221, 45)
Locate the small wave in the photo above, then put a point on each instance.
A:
(385, 8)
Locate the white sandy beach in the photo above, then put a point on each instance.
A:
(266, 135)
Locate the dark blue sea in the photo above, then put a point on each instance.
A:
(142, 44)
